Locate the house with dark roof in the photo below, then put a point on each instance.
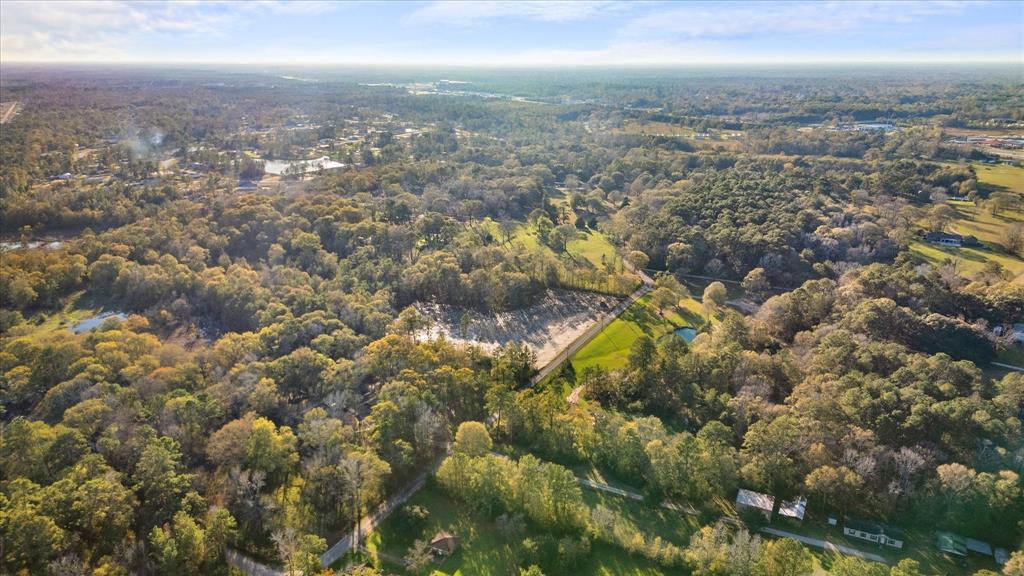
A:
(874, 532)
(951, 240)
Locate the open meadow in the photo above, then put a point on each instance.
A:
(610, 348)
(978, 221)
(484, 551)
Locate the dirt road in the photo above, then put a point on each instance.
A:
(825, 545)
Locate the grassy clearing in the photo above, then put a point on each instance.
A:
(653, 128)
(657, 129)
(593, 246)
(969, 260)
(977, 221)
(484, 552)
(41, 325)
(919, 545)
(1012, 354)
(591, 250)
(1001, 176)
(650, 519)
(610, 348)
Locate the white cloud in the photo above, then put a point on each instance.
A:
(111, 29)
(647, 33)
(733, 20)
(471, 13)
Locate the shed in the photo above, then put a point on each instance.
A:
(795, 508)
(951, 543)
(444, 543)
(751, 499)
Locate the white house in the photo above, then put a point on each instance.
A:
(874, 532)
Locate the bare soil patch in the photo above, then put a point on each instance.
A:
(546, 327)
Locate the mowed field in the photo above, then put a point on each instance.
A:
(978, 221)
(610, 348)
(1001, 176)
(730, 139)
(484, 551)
(591, 247)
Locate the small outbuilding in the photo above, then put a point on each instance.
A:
(444, 544)
(756, 500)
(795, 508)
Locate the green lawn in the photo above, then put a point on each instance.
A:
(1001, 176)
(969, 260)
(610, 348)
(1012, 354)
(484, 552)
(650, 518)
(919, 545)
(593, 246)
(978, 221)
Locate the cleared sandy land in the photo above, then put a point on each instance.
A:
(7, 111)
(546, 327)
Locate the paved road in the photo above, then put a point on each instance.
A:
(826, 545)
(1008, 366)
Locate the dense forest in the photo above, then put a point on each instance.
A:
(199, 355)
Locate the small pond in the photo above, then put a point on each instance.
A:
(96, 321)
(686, 333)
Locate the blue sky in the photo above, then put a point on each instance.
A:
(512, 33)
